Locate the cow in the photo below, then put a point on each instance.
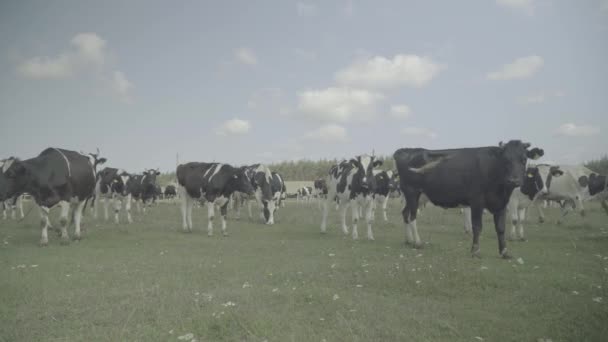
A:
(481, 177)
(385, 184)
(598, 188)
(570, 190)
(213, 183)
(111, 186)
(170, 191)
(320, 188)
(261, 181)
(353, 182)
(142, 187)
(55, 176)
(536, 183)
(304, 194)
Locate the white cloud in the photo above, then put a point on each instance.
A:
(419, 132)
(521, 68)
(306, 9)
(574, 130)
(339, 104)
(526, 6)
(329, 133)
(400, 112)
(47, 67)
(234, 126)
(87, 50)
(381, 72)
(121, 84)
(246, 56)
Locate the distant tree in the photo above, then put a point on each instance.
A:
(599, 165)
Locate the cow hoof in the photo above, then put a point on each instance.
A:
(225, 234)
(476, 254)
(323, 232)
(418, 245)
(523, 239)
(76, 237)
(541, 220)
(64, 241)
(43, 243)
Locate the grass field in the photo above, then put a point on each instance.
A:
(150, 282)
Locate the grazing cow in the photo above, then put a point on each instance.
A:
(479, 178)
(56, 176)
(386, 182)
(112, 187)
(261, 181)
(570, 190)
(213, 183)
(536, 183)
(304, 194)
(142, 187)
(170, 191)
(353, 182)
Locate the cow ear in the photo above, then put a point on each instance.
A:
(101, 161)
(583, 181)
(500, 144)
(354, 162)
(377, 163)
(535, 153)
(157, 173)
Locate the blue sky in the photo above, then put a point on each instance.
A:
(244, 81)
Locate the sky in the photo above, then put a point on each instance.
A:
(264, 81)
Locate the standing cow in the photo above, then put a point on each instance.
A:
(213, 183)
(353, 182)
(386, 183)
(56, 176)
(170, 191)
(479, 178)
(112, 187)
(142, 187)
(261, 180)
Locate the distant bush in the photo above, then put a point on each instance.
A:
(599, 165)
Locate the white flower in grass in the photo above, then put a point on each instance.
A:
(186, 337)
(336, 297)
(575, 293)
(331, 254)
(597, 299)
(520, 261)
(246, 285)
(228, 304)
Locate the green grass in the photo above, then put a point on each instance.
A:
(150, 282)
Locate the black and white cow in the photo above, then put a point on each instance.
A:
(536, 183)
(479, 178)
(170, 191)
(304, 194)
(386, 182)
(112, 187)
(213, 183)
(571, 189)
(142, 187)
(353, 182)
(264, 194)
(56, 176)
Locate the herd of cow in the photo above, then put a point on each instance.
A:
(498, 179)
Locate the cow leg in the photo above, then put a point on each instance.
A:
(184, 208)
(20, 206)
(521, 218)
(476, 215)
(237, 206)
(409, 217)
(499, 225)
(271, 206)
(78, 219)
(4, 210)
(409, 239)
(468, 224)
(13, 211)
(128, 208)
(249, 209)
(580, 204)
(541, 213)
(224, 212)
(117, 205)
(138, 205)
(514, 222)
(324, 217)
(354, 207)
(210, 214)
(63, 221)
(369, 218)
(44, 224)
(384, 205)
(105, 207)
(343, 209)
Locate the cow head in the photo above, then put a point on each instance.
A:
(393, 182)
(96, 160)
(119, 182)
(241, 182)
(514, 156)
(16, 175)
(148, 181)
(596, 183)
(533, 183)
(364, 175)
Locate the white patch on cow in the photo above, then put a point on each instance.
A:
(428, 166)
(389, 173)
(218, 167)
(7, 164)
(365, 160)
(67, 162)
(266, 171)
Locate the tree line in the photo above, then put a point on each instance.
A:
(309, 170)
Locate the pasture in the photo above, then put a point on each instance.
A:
(150, 282)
